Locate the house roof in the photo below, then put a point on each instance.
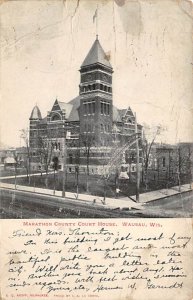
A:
(9, 160)
(36, 114)
(96, 55)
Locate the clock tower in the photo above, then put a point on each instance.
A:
(96, 95)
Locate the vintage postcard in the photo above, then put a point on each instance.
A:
(96, 149)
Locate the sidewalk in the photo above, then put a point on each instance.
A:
(90, 199)
(111, 203)
(23, 175)
(159, 194)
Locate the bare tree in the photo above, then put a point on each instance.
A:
(182, 164)
(25, 137)
(45, 150)
(147, 144)
(87, 140)
(55, 167)
(16, 158)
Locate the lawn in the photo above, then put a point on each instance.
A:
(11, 171)
(96, 184)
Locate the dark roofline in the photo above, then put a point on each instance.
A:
(95, 64)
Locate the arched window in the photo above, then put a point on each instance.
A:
(56, 117)
(70, 158)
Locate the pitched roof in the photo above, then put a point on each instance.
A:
(62, 106)
(96, 55)
(129, 112)
(72, 110)
(116, 114)
(36, 114)
(66, 107)
(122, 112)
(74, 115)
(9, 160)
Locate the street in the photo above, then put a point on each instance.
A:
(180, 205)
(23, 204)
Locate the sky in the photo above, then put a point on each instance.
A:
(43, 44)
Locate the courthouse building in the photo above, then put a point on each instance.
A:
(87, 130)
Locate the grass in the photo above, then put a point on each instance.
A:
(96, 184)
(11, 171)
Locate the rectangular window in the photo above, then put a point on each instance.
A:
(102, 108)
(85, 109)
(105, 108)
(164, 162)
(93, 107)
(89, 108)
(108, 109)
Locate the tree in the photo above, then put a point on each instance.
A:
(182, 164)
(87, 140)
(25, 137)
(16, 158)
(45, 150)
(55, 167)
(147, 144)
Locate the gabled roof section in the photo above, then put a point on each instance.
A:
(129, 112)
(96, 55)
(36, 114)
(56, 106)
(60, 106)
(119, 115)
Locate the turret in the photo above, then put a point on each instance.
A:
(34, 121)
(35, 114)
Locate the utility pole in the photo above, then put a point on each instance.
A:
(179, 169)
(190, 166)
(64, 167)
(137, 162)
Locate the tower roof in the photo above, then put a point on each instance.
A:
(96, 55)
(36, 114)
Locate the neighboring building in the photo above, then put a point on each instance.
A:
(12, 157)
(171, 163)
(89, 126)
